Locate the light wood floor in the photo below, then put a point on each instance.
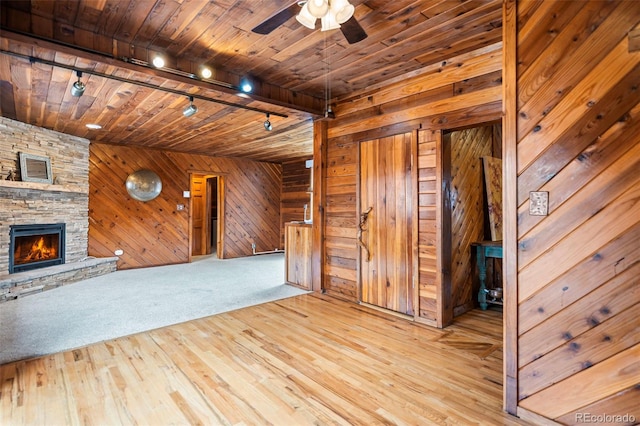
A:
(306, 360)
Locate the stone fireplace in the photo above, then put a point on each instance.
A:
(23, 204)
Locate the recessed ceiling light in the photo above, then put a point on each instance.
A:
(93, 126)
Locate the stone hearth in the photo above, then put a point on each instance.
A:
(25, 283)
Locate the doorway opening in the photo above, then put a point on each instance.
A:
(205, 224)
(472, 212)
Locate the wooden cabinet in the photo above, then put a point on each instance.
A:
(297, 246)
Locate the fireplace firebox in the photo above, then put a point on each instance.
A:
(36, 246)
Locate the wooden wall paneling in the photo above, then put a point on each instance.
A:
(493, 79)
(256, 198)
(340, 219)
(595, 159)
(537, 30)
(581, 243)
(320, 148)
(595, 383)
(590, 343)
(573, 138)
(585, 40)
(588, 198)
(611, 259)
(510, 11)
(428, 204)
(616, 295)
(623, 405)
(155, 232)
(431, 77)
(132, 225)
(296, 185)
(472, 99)
(577, 139)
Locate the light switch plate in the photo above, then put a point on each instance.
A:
(538, 203)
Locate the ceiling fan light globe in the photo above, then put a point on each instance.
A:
(317, 8)
(329, 22)
(343, 10)
(306, 18)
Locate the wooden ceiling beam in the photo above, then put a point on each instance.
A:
(262, 92)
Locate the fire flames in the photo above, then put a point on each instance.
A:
(40, 251)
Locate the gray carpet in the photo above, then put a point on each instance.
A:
(131, 301)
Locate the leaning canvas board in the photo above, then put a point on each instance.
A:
(493, 182)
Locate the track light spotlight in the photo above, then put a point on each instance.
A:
(158, 61)
(205, 72)
(267, 124)
(77, 89)
(190, 109)
(246, 86)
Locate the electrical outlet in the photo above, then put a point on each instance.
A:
(180, 207)
(118, 252)
(538, 203)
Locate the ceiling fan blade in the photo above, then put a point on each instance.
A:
(278, 19)
(352, 31)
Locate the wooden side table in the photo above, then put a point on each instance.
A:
(484, 250)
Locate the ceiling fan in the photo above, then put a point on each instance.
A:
(334, 14)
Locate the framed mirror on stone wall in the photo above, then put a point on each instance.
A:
(35, 168)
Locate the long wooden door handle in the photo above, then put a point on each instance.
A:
(364, 216)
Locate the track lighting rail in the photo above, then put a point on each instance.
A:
(34, 59)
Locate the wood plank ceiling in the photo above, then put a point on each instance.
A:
(297, 71)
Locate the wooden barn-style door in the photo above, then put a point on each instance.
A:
(385, 227)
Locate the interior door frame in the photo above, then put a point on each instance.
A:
(444, 238)
(220, 216)
(207, 201)
(412, 220)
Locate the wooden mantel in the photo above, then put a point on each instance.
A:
(43, 186)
